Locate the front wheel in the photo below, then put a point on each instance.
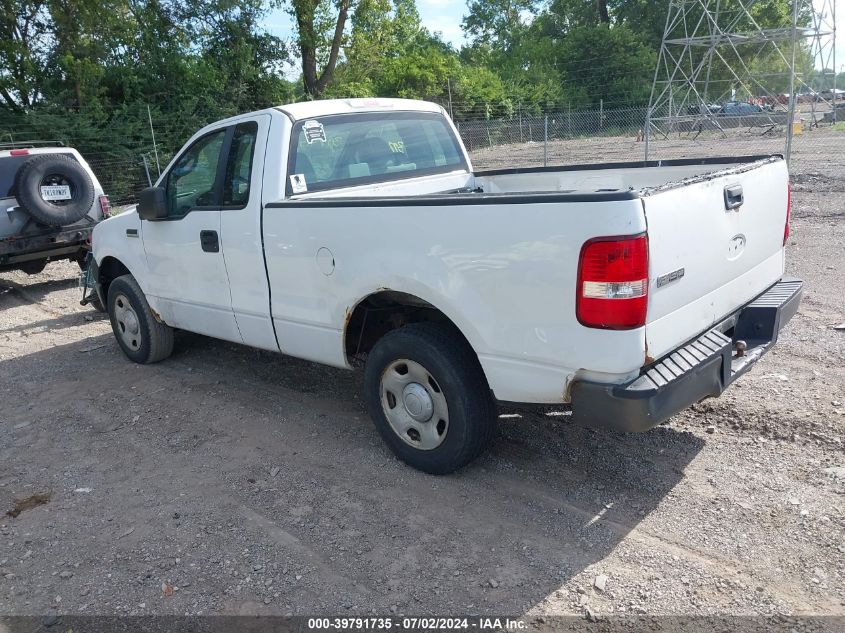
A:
(428, 397)
(141, 337)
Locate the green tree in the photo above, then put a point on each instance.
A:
(498, 23)
(479, 92)
(381, 30)
(390, 53)
(320, 27)
(604, 62)
(505, 38)
(24, 31)
(423, 70)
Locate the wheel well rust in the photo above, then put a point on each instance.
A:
(381, 312)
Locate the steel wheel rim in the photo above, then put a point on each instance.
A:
(128, 325)
(414, 404)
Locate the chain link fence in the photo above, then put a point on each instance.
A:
(621, 135)
(123, 178)
(565, 137)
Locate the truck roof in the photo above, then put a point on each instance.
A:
(309, 109)
(327, 107)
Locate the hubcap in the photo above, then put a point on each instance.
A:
(128, 326)
(418, 403)
(414, 404)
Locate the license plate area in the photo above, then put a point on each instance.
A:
(53, 193)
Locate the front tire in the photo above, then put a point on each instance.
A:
(141, 337)
(97, 304)
(428, 397)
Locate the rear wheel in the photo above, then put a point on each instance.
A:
(428, 397)
(141, 337)
(54, 189)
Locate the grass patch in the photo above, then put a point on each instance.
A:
(840, 126)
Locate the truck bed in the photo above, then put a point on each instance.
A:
(641, 177)
(508, 243)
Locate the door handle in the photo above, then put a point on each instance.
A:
(733, 197)
(210, 241)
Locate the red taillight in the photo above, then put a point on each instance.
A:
(19, 152)
(613, 283)
(105, 206)
(788, 211)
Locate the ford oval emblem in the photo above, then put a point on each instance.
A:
(736, 247)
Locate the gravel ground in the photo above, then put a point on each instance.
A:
(231, 481)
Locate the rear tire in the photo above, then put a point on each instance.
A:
(429, 398)
(141, 337)
(47, 169)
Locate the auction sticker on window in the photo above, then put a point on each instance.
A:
(298, 184)
(56, 192)
(314, 131)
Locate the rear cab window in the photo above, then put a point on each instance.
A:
(349, 150)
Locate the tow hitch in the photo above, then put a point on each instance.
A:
(88, 283)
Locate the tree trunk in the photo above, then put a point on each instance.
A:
(314, 82)
(604, 16)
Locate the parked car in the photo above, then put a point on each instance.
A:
(703, 108)
(50, 201)
(739, 108)
(832, 95)
(356, 232)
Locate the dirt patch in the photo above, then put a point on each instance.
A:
(252, 483)
(28, 503)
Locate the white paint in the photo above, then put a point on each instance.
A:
(504, 273)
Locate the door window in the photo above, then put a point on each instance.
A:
(190, 183)
(239, 165)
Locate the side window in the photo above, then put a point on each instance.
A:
(190, 183)
(239, 165)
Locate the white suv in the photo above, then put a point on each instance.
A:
(50, 201)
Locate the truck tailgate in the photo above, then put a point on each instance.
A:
(715, 243)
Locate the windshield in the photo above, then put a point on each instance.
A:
(355, 149)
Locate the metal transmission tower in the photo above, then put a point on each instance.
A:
(715, 51)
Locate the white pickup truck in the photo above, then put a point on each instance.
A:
(356, 232)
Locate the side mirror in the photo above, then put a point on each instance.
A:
(152, 204)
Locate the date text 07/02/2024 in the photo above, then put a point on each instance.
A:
(417, 624)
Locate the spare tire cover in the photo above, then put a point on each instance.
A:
(54, 170)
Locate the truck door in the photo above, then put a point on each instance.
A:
(240, 224)
(184, 255)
